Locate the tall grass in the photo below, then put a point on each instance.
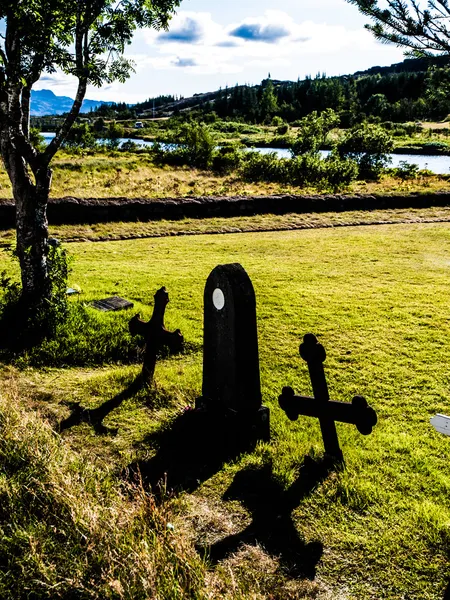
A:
(69, 530)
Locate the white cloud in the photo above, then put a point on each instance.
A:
(273, 38)
(199, 52)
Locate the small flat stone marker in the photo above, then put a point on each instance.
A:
(231, 381)
(113, 303)
(441, 423)
(358, 412)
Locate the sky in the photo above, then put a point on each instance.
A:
(219, 43)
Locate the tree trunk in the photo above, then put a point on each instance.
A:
(32, 238)
(31, 224)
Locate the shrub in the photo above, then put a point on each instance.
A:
(196, 144)
(368, 145)
(313, 131)
(283, 129)
(308, 169)
(99, 125)
(42, 320)
(406, 170)
(277, 121)
(265, 167)
(436, 148)
(227, 159)
(130, 146)
(80, 135)
(112, 134)
(37, 140)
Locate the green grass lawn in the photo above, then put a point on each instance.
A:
(377, 298)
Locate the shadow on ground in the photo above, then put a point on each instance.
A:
(272, 526)
(95, 416)
(189, 451)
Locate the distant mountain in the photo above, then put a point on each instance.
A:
(45, 102)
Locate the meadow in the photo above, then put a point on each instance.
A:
(93, 174)
(376, 297)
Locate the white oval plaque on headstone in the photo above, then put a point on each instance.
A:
(218, 299)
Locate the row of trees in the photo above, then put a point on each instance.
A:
(398, 97)
(407, 95)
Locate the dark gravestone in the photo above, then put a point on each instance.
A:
(155, 335)
(320, 406)
(231, 382)
(113, 303)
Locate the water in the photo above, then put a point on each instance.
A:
(436, 163)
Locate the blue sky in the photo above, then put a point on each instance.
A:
(214, 43)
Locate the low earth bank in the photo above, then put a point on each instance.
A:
(70, 210)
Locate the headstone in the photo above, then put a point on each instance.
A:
(155, 334)
(231, 381)
(113, 303)
(441, 423)
(358, 412)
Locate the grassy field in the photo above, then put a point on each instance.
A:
(117, 174)
(377, 297)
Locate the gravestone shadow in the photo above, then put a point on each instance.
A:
(95, 416)
(272, 526)
(190, 450)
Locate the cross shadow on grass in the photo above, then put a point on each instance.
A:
(272, 526)
(95, 416)
(190, 450)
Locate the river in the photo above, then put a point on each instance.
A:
(435, 163)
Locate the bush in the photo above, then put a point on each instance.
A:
(112, 134)
(130, 146)
(309, 169)
(42, 320)
(436, 148)
(195, 147)
(81, 136)
(198, 144)
(265, 167)
(340, 172)
(226, 160)
(406, 170)
(283, 129)
(37, 140)
(368, 145)
(313, 131)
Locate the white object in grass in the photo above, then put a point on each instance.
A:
(441, 423)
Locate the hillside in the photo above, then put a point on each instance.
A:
(45, 102)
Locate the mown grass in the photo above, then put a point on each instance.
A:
(117, 174)
(103, 232)
(377, 297)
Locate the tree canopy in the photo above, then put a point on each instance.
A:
(421, 28)
(82, 38)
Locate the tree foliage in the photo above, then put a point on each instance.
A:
(84, 39)
(369, 146)
(313, 131)
(422, 29)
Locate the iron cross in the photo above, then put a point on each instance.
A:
(356, 412)
(155, 334)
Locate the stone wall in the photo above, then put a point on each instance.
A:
(100, 210)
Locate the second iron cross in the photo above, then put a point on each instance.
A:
(320, 406)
